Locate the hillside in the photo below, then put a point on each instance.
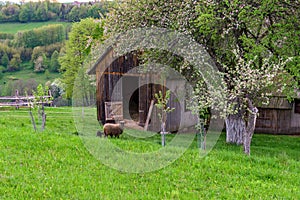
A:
(15, 27)
(30, 58)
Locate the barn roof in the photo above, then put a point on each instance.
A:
(102, 57)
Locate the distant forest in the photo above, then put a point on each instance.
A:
(38, 49)
(45, 10)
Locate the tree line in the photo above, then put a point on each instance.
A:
(45, 10)
(40, 47)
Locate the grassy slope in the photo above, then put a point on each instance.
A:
(27, 74)
(54, 164)
(15, 27)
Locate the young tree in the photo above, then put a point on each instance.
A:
(162, 105)
(41, 98)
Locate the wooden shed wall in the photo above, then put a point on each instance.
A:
(107, 78)
(278, 121)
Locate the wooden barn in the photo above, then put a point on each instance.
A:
(279, 117)
(125, 92)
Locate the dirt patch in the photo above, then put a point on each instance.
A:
(132, 125)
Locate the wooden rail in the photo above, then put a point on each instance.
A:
(23, 100)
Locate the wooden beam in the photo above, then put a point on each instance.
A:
(121, 74)
(149, 115)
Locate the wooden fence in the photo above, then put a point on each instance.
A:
(18, 101)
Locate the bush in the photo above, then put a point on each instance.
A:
(4, 36)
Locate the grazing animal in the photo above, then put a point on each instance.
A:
(113, 129)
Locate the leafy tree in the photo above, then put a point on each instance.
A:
(73, 15)
(47, 35)
(5, 60)
(14, 63)
(254, 31)
(82, 36)
(54, 63)
(25, 13)
(41, 64)
(10, 12)
(42, 11)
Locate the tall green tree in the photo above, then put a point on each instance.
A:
(81, 38)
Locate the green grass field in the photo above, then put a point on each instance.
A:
(54, 164)
(27, 74)
(15, 27)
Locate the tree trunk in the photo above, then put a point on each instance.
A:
(32, 120)
(250, 127)
(43, 117)
(235, 128)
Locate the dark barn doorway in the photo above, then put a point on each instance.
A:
(130, 88)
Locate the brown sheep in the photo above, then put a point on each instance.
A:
(113, 129)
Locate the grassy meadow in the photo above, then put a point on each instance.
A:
(15, 27)
(27, 74)
(54, 164)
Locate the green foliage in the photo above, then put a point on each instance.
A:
(25, 13)
(7, 89)
(46, 10)
(81, 38)
(5, 49)
(4, 36)
(47, 50)
(40, 92)
(56, 165)
(54, 64)
(41, 64)
(10, 12)
(28, 75)
(5, 60)
(47, 35)
(255, 30)
(47, 74)
(162, 104)
(14, 63)
(1, 73)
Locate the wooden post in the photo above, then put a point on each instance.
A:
(17, 99)
(149, 115)
(32, 119)
(163, 134)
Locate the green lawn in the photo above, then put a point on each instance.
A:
(26, 74)
(15, 27)
(54, 164)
